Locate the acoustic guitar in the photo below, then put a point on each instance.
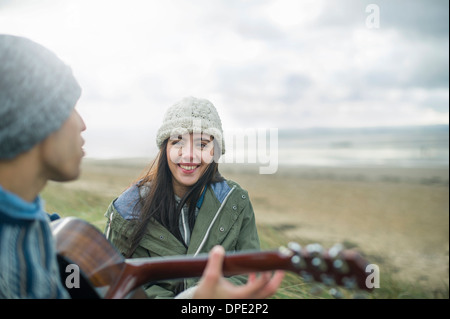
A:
(105, 273)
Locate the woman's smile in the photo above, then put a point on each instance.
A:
(188, 168)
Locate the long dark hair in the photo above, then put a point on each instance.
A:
(160, 204)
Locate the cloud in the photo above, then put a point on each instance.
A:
(416, 18)
(268, 63)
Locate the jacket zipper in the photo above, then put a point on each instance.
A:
(212, 222)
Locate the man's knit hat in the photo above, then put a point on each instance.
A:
(37, 94)
(191, 115)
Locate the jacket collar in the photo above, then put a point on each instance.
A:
(13, 206)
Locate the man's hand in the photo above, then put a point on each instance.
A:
(214, 286)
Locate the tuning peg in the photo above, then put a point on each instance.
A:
(285, 251)
(341, 266)
(334, 251)
(335, 254)
(298, 262)
(315, 249)
(296, 258)
(307, 277)
(295, 247)
(336, 293)
(327, 280)
(349, 282)
(316, 252)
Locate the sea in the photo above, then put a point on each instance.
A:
(401, 146)
(272, 148)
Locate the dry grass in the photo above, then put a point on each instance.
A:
(397, 218)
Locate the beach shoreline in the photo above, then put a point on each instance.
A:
(425, 175)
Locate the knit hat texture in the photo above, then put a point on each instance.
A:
(37, 94)
(191, 115)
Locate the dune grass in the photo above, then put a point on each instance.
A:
(89, 198)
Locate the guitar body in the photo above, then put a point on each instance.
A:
(79, 243)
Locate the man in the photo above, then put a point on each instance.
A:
(40, 140)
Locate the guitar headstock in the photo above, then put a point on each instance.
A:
(335, 266)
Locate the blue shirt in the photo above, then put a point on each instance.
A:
(28, 263)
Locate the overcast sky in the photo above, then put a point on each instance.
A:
(263, 63)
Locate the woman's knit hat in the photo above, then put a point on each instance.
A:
(37, 94)
(191, 115)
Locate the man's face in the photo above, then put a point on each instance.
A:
(62, 150)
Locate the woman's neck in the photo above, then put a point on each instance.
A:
(180, 190)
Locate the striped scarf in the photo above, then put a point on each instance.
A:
(28, 264)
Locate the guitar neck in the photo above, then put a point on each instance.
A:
(346, 268)
(183, 267)
(140, 271)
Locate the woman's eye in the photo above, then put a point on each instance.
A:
(178, 143)
(202, 145)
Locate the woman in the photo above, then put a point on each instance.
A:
(184, 206)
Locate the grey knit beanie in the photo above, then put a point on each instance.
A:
(37, 94)
(191, 115)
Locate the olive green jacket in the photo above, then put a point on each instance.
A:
(225, 218)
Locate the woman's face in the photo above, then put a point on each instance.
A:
(188, 157)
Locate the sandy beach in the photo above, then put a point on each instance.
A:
(398, 218)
